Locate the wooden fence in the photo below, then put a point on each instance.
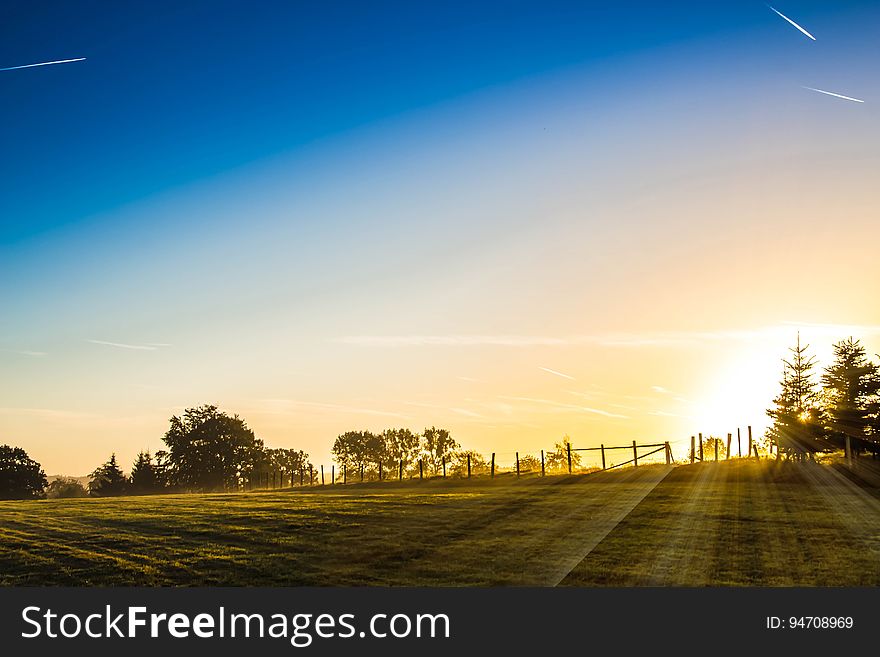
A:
(697, 445)
(278, 479)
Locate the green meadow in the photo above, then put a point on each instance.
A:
(737, 523)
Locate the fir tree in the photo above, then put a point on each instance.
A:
(108, 480)
(143, 475)
(851, 386)
(797, 423)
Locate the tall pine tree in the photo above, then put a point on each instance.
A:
(851, 386)
(797, 425)
(143, 475)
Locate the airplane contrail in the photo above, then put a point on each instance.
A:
(58, 61)
(831, 93)
(564, 376)
(792, 22)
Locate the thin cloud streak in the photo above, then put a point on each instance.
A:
(339, 408)
(122, 345)
(450, 340)
(569, 407)
(831, 93)
(555, 373)
(57, 61)
(26, 352)
(648, 339)
(792, 22)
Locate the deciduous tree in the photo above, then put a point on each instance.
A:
(209, 450)
(21, 478)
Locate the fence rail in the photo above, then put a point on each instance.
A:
(465, 466)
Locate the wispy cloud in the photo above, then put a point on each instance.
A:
(792, 22)
(663, 414)
(289, 405)
(622, 340)
(564, 406)
(831, 93)
(660, 389)
(26, 352)
(465, 412)
(152, 346)
(605, 339)
(451, 340)
(559, 374)
(49, 413)
(57, 61)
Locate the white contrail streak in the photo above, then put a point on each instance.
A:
(564, 376)
(792, 22)
(59, 61)
(831, 93)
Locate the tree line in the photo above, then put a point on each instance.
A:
(207, 450)
(403, 453)
(822, 411)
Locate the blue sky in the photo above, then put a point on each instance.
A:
(333, 215)
(174, 92)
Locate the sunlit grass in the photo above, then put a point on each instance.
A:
(710, 524)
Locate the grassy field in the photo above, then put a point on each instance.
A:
(737, 523)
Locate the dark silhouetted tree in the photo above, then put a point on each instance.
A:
(108, 480)
(288, 462)
(850, 388)
(400, 445)
(438, 444)
(143, 475)
(209, 450)
(65, 487)
(21, 478)
(350, 449)
(797, 423)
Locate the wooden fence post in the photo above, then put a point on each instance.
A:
(716, 449)
(542, 463)
(693, 447)
(635, 455)
(311, 475)
(729, 438)
(444, 467)
(344, 474)
(668, 453)
(493, 465)
(333, 475)
(322, 475)
(380, 470)
(421, 470)
(362, 473)
(701, 447)
(739, 447)
(602, 447)
(848, 451)
(469, 466)
(750, 440)
(400, 471)
(568, 449)
(517, 464)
